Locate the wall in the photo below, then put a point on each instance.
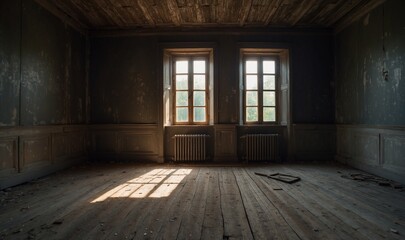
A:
(126, 84)
(42, 92)
(370, 111)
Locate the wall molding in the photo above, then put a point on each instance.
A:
(137, 142)
(314, 141)
(376, 149)
(29, 152)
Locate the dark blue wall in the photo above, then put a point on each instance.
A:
(47, 59)
(125, 89)
(362, 94)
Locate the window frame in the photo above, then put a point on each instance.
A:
(260, 57)
(191, 57)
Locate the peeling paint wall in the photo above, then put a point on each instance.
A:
(42, 67)
(52, 69)
(42, 84)
(125, 89)
(123, 81)
(363, 96)
(9, 62)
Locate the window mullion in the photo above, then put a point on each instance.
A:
(190, 91)
(260, 89)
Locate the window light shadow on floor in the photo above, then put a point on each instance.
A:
(156, 183)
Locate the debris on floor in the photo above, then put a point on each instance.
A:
(394, 231)
(58, 222)
(280, 177)
(372, 178)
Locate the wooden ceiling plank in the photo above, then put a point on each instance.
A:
(84, 10)
(304, 8)
(341, 9)
(145, 12)
(356, 14)
(174, 12)
(246, 6)
(273, 7)
(200, 16)
(66, 16)
(135, 13)
(123, 14)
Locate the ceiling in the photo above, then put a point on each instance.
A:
(159, 14)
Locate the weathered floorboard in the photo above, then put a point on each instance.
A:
(134, 201)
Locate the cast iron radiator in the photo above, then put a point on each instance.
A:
(190, 147)
(261, 147)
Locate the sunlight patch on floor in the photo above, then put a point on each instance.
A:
(156, 183)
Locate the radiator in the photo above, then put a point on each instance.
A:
(261, 147)
(190, 147)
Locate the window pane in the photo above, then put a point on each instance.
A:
(269, 67)
(251, 82)
(182, 114)
(182, 98)
(199, 114)
(181, 66)
(269, 99)
(199, 66)
(269, 114)
(251, 98)
(181, 82)
(269, 82)
(251, 66)
(199, 98)
(199, 82)
(252, 114)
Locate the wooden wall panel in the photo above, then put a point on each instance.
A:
(138, 143)
(8, 155)
(366, 147)
(27, 153)
(312, 141)
(105, 142)
(393, 152)
(35, 150)
(225, 142)
(60, 148)
(379, 150)
(133, 142)
(344, 143)
(78, 144)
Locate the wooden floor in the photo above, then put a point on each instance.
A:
(122, 201)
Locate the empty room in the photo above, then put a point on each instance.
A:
(202, 119)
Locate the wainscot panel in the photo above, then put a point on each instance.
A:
(314, 141)
(27, 153)
(393, 152)
(8, 155)
(225, 143)
(60, 146)
(35, 150)
(132, 142)
(378, 150)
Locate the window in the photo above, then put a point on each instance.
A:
(188, 83)
(260, 74)
(190, 89)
